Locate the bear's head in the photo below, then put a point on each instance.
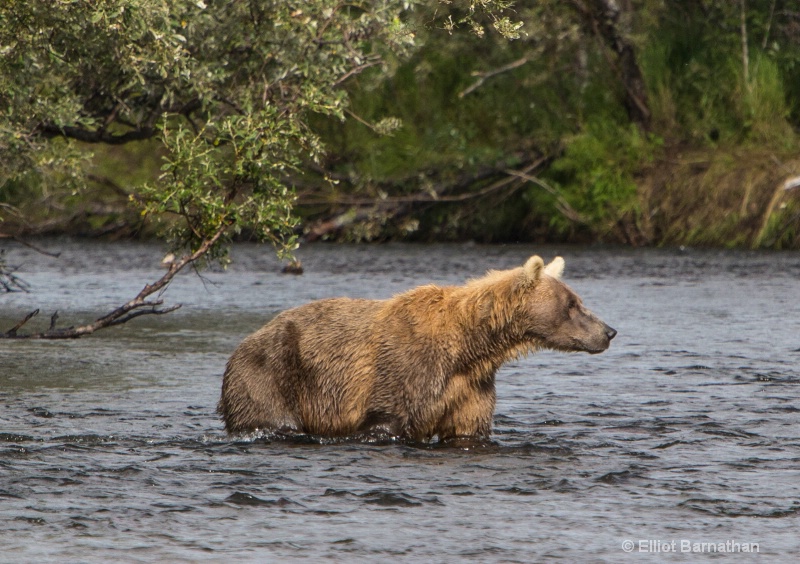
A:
(553, 316)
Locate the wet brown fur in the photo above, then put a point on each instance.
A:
(420, 364)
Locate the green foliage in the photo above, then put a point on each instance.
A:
(566, 100)
(695, 75)
(229, 87)
(762, 106)
(385, 100)
(228, 175)
(443, 128)
(473, 14)
(596, 173)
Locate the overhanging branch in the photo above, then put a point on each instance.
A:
(96, 135)
(136, 307)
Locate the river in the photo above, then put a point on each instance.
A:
(679, 442)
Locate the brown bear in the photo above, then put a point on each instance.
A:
(417, 365)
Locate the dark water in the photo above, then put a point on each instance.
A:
(687, 429)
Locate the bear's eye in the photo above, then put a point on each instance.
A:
(573, 303)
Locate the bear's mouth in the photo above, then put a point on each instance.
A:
(596, 348)
(593, 347)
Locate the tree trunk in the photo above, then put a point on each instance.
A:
(745, 54)
(610, 21)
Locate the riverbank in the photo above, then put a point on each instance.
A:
(738, 197)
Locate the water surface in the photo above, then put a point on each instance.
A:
(686, 429)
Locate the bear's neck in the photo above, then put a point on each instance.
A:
(487, 321)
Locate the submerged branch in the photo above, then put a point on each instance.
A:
(11, 333)
(9, 282)
(136, 307)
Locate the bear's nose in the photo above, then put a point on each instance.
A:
(610, 333)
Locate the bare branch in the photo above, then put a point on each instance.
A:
(152, 311)
(400, 206)
(96, 136)
(483, 76)
(357, 70)
(9, 282)
(134, 308)
(113, 186)
(13, 331)
(561, 203)
(434, 196)
(38, 249)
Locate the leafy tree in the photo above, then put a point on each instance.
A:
(227, 88)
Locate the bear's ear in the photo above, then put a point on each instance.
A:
(555, 268)
(533, 268)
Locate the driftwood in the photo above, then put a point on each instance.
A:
(361, 209)
(781, 191)
(138, 306)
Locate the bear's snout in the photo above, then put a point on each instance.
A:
(600, 337)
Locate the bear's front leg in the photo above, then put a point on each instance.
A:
(470, 417)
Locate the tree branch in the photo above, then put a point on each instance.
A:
(437, 194)
(9, 282)
(134, 308)
(13, 331)
(399, 206)
(561, 203)
(96, 136)
(483, 76)
(357, 70)
(36, 248)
